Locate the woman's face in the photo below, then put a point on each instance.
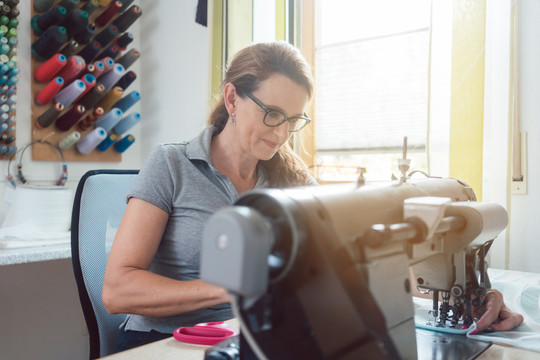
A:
(278, 92)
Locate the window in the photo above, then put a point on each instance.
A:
(371, 68)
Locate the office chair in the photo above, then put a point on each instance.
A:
(98, 207)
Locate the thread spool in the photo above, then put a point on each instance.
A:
(14, 13)
(12, 81)
(90, 69)
(104, 3)
(15, 71)
(108, 13)
(74, 66)
(128, 101)
(89, 81)
(123, 40)
(84, 36)
(93, 96)
(125, 5)
(47, 118)
(76, 20)
(124, 143)
(110, 98)
(10, 139)
(108, 64)
(90, 51)
(3, 99)
(112, 51)
(10, 90)
(90, 6)
(13, 23)
(69, 140)
(127, 18)
(111, 77)
(91, 140)
(12, 149)
(69, 4)
(127, 79)
(70, 48)
(105, 144)
(90, 119)
(105, 36)
(47, 94)
(129, 58)
(127, 123)
(48, 44)
(99, 68)
(110, 119)
(43, 5)
(70, 117)
(54, 16)
(4, 69)
(71, 92)
(12, 100)
(3, 79)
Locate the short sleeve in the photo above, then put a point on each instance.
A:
(155, 182)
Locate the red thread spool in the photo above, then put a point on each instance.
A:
(108, 14)
(46, 71)
(99, 68)
(50, 90)
(75, 65)
(70, 118)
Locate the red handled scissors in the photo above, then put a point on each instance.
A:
(209, 333)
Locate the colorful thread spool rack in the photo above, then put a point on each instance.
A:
(81, 55)
(9, 76)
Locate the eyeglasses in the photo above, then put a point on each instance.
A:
(274, 118)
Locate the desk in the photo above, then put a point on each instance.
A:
(171, 349)
(34, 254)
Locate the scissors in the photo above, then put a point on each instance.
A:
(209, 333)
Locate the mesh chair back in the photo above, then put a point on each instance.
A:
(98, 207)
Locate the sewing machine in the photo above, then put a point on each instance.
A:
(323, 272)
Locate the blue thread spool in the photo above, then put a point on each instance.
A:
(12, 149)
(12, 80)
(3, 79)
(105, 144)
(110, 119)
(127, 123)
(3, 149)
(128, 101)
(3, 127)
(50, 42)
(10, 139)
(124, 143)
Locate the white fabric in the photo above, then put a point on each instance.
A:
(521, 292)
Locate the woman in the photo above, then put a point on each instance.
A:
(153, 267)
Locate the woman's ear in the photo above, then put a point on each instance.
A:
(230, 97)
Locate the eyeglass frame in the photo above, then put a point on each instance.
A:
(267, 110)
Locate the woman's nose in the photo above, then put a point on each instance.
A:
(282, 131)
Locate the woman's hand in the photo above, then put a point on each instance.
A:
(494, 314)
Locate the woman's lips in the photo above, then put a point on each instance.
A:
(271, 144)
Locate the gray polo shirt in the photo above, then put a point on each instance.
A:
(181, 179)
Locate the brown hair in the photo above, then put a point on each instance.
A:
(246, 70)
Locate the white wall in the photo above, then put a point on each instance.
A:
(40, 315)
(524, 251)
